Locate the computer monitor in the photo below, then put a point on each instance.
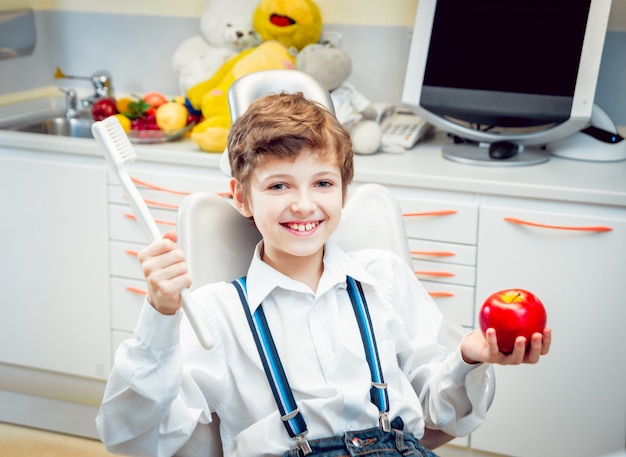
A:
(493, 73)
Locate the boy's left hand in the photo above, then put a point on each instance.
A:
(476, 348)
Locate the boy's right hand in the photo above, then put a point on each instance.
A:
(165, 270)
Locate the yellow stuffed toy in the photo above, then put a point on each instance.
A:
(302, 22)
(212, 95)
(294, 23)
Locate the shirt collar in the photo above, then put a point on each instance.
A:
(262, 279)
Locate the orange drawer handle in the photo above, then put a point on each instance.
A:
(443, 212)
(136, 290)
(139, 182)
(160, 204)
(441, 294)
(599, 228)
(154, 187)
(439, 274)
(158, 221)
(131, 252)
(434, 253)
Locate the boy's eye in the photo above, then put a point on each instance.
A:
(278, 186)
(324, 184)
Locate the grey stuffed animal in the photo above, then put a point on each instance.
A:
(331, 67)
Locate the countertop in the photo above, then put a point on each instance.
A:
(599, 183)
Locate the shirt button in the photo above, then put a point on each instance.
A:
(330, 353)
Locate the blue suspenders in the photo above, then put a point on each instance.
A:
(290, 414)
(378, 391)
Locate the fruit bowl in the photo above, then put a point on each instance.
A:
(157, 136)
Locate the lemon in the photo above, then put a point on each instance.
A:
(124, 121)
(171, 116)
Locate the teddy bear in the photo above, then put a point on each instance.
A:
(331, 67)
(285, 27)
(212, 96)
(226, 29)
(294, 23)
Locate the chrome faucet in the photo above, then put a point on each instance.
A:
(101, 81)
(102, 84)
(71, 103)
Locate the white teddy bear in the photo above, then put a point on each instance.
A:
(226, 29)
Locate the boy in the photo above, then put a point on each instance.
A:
(292, 163)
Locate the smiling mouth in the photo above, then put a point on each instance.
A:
(302, 227)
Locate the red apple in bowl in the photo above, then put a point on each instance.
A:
(512, 313)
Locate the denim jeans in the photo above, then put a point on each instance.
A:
(371, 442)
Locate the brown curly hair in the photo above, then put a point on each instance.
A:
(282, 125)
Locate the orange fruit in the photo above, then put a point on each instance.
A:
(122, 104)
(171, 116)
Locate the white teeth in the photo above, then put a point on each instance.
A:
(303, 227)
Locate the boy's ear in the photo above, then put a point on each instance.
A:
(238, 197)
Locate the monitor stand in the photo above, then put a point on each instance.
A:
(474, 154)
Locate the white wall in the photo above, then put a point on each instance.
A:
(356, 12)
(370, 12)
(82, 36)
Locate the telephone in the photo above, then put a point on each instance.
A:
(401, 129)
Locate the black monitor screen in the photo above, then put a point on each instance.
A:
(508, 46)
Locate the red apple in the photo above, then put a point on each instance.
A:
(103, 108)
(512, 313)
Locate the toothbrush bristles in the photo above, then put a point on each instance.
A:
(122, 143)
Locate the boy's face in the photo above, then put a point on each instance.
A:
(296, 204)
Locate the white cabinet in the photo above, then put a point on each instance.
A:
(574, 402)
(53, 266)
(442, 230)
(465, 247)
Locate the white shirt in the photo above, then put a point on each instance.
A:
(164, 383)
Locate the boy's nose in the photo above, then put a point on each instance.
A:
(303, 203)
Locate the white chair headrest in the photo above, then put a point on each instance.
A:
(258, 84)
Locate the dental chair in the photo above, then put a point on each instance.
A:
(209, 227)
(219, 242)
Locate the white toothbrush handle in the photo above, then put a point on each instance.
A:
(144, 217)
(140, 209)
(189, 307)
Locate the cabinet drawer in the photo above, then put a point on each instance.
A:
(125, 304)
(455, 302)
(122, 227)
(434, 251)
(123, 256)
(440, 220)
(444, 272)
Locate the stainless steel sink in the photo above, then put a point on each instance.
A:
(53, 125)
